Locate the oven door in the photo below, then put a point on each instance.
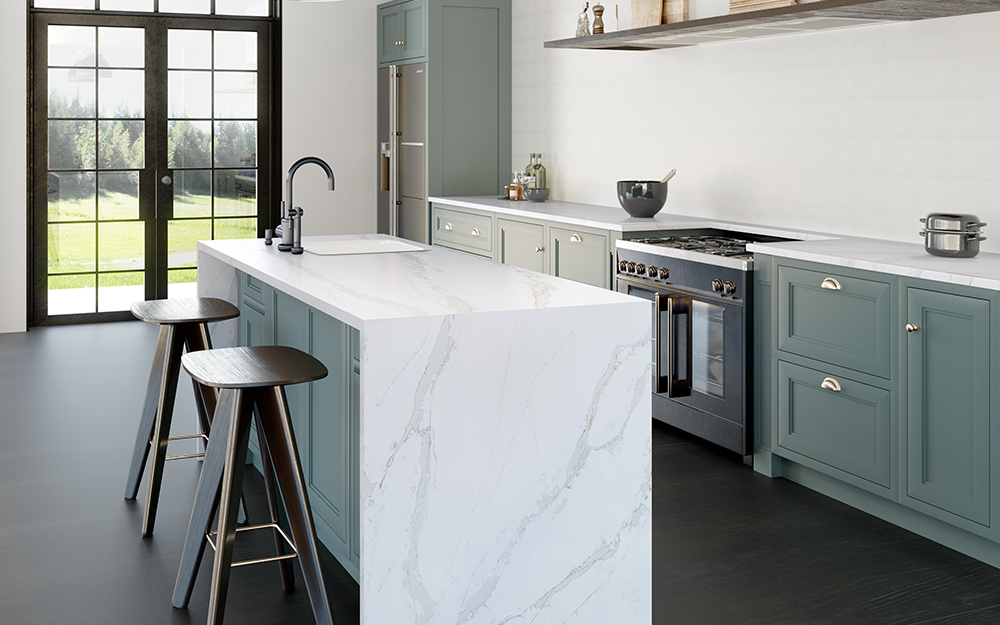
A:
(698, 348)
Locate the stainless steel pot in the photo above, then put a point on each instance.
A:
(951, 243)
(956, 222)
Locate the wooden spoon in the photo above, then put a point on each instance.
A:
(673, 172)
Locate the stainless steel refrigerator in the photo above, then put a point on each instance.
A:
(402, 153)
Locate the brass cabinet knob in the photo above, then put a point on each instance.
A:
(539, 249)
(449, 227)
(831, 385)
(475, 232)
(831, 283)
(912, 327)
(576, 238)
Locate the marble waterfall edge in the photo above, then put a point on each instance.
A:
(506, 468)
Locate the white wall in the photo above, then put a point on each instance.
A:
(328, 110)
(857, 131)
(13, 168)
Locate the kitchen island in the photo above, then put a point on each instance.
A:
(503, 442)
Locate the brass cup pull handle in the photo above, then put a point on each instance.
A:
(449, 227)
(912, 327)
(831, 283)
(475, 232)
(576, 238)
(831, 385)
(539, 249)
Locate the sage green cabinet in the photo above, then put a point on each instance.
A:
(521, 244)
(462, 230)
(325, 413)
(949, 423)
(581, 256)
(402, 32)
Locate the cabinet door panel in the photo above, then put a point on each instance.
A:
(414, 30)
(580, 256)
(390, 32)
(522, 244)
(948, 405)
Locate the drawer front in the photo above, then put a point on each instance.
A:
(580, 256)
(849, 324)
(522, 244)
(461, 230)
(845, 431)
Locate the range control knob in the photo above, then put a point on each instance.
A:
(729, 287)
(651, 272)
(717, 285)
(664, 273)
(631, 267)
(640, 269)
(622, 266)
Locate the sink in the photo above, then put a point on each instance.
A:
(360, 246)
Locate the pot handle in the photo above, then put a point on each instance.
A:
(974, 224)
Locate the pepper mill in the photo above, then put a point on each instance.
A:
(598, 19)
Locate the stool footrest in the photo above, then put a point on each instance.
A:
(210, 539)
(204, 437)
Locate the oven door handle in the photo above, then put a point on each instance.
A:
(678, 310)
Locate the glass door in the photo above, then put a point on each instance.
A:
(149, 133)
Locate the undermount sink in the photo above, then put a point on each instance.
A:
(360, 246)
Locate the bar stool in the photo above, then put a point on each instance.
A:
(183, 322)
(252, 381)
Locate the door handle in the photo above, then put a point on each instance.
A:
(831, 283)
(912, 327)
(669, 377)
(831, 385)
(166, 180)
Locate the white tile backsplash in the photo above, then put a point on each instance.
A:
(858, 131)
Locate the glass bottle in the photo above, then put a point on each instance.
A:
(539, 173)
(512, 188)
(529, 173)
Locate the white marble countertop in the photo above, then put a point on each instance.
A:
(369, 287)
(893, 257)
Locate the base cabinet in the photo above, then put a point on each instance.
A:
(325, 413)
(907, 409)
(522, 244)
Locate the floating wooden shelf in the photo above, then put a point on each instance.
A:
(800, 18)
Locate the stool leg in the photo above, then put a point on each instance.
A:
(274, 416)
(229, 501)
(196, 338)
(285, 566)
(147, 422)
(206, 501)
(161, 433)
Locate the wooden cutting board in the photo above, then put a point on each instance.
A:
(646, 13)
(675, 11)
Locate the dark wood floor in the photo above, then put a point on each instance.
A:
(729, 546)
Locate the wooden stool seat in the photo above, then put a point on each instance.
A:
(183, 325)
(251, 383)
(189, 310)
(252, 367)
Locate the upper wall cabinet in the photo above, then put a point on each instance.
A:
(804, 17)
(402, 32)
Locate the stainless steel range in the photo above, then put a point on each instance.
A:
(701, 287)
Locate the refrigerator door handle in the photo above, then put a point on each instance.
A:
(386, 153)
(393, 162)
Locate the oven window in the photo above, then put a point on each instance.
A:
(707, 347)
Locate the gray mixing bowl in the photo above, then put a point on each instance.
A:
(642, 198)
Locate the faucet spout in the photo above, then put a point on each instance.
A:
(290, 213)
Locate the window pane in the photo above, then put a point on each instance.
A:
(235, 192)
(182, 283)
(182, 240)
(119, 195)
(235, 50)
(122, 47)
(64, 4)
(72, 45)
(72, 93)
(122, 145)
(122, 93)
(72, 145)
(72, 196)
(242, 7)
(189, 49)
(235, 229)
(189, 94)
(72, 294)
(189, 144)
(71, 247)
(127, 5)
(192, 194)
(118, 291)
(121, 245)
(235, 95)
(235, 144)
(185, 6)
